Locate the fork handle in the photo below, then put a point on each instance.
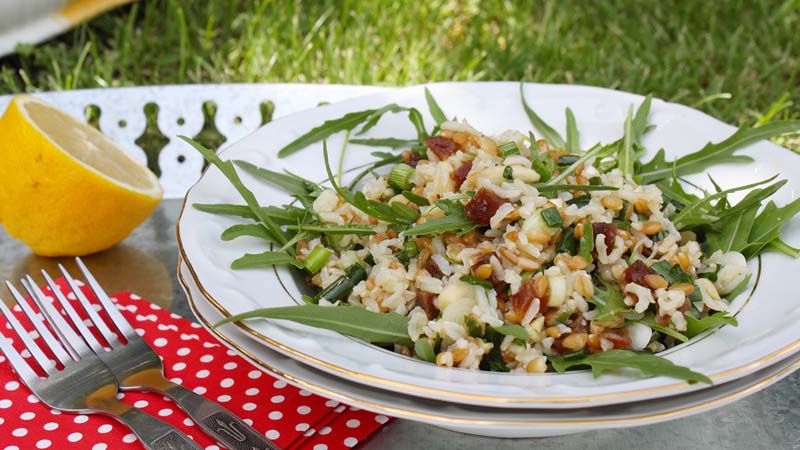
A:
(155, 434)
(224, 426)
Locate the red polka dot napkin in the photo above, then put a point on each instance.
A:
(292, 418)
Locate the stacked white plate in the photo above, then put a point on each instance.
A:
(740, 360)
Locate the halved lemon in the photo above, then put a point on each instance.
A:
(65, 188)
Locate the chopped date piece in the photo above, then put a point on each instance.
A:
(522, 300)
(483, 206)
(619, 337)
(433, 269)
(443, 147)
(609, 230)
(636, 272)
(425, 300)
(411, 158)
(460, 174)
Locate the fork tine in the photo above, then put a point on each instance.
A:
(44, 362)
(17, 361)
(73, 343)
(109, 335)
(73, 315)
(41, 328)
(108, 305)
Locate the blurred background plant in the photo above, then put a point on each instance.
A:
(736, 60)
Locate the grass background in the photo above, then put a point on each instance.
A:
(736, 60)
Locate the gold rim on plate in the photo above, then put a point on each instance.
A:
(392, 410)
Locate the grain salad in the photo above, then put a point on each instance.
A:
(512, 253)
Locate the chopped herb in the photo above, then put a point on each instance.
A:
(580, 201)
(416, 199)
(518, 331)
(400, 177)
(508, 173)
(552, 217)
(342, 286)
(317, 258)
(566, 160)
(508, 149)
(476, 282)
(474, 328)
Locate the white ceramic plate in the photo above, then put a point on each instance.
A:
(767, 328)
(497, 422)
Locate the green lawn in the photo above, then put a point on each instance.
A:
(737, 60)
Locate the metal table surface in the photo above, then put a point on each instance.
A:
(146, 263)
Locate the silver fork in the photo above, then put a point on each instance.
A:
(137, 367)
(85, 385)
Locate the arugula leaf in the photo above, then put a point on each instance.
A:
(385, 160)
(229, 171)
(591, 153)
(547, 132)
(767, 227)
(734, 234)
(433, 107)
(609, 304)
(695, 326)
(330, 127)
(777, 245)
(650, 320)
(454, 220)
(385, 142)
(358, 230)
(714, 153)
(518, 331)
(587, 242)
(416, 199)
(424, 351)
(673, 273)
(266, 259)
(703, 212)
(284, 215)
(249, 229)
(291, 183)
(355, 321)
(573, 138)
(416, 119)
(571, 187)
(626, 156)
(396, 213)
(373, 118)
(647, 363)
(639, 125)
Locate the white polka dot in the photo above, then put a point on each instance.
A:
(248, 421)
(19, 432)
(380, 418)
(277, 399)
(230, 366)
(254, 374)
(183, 351)
(5, 403)
(350, 442)
(304, 393)
(12, 386)
(206, 358)
(272, 434)
(179, 366)
(331, 403)
(165, 412)
(27, 416)
(303, 410)
(212, 447)
(279, 384)
(44, 443)
(355, 408)
(320, 447)
(141, 403)
(160, 342)
(302, 427)
(176, 380)
(74, 437)
(11, 447)
(325, 430)
(103, 429)
(202, 373)
(120, 395)
(99, 446)
(226, 383)
(80, 419)
(249, 406)
(139, 331)
(188, 422)
(224, 398)
(50, 426)
(353, 423)
(33, 399)
(199, 390)
(251, 392)
(275, 415)
(128, 438)
(2, 421)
